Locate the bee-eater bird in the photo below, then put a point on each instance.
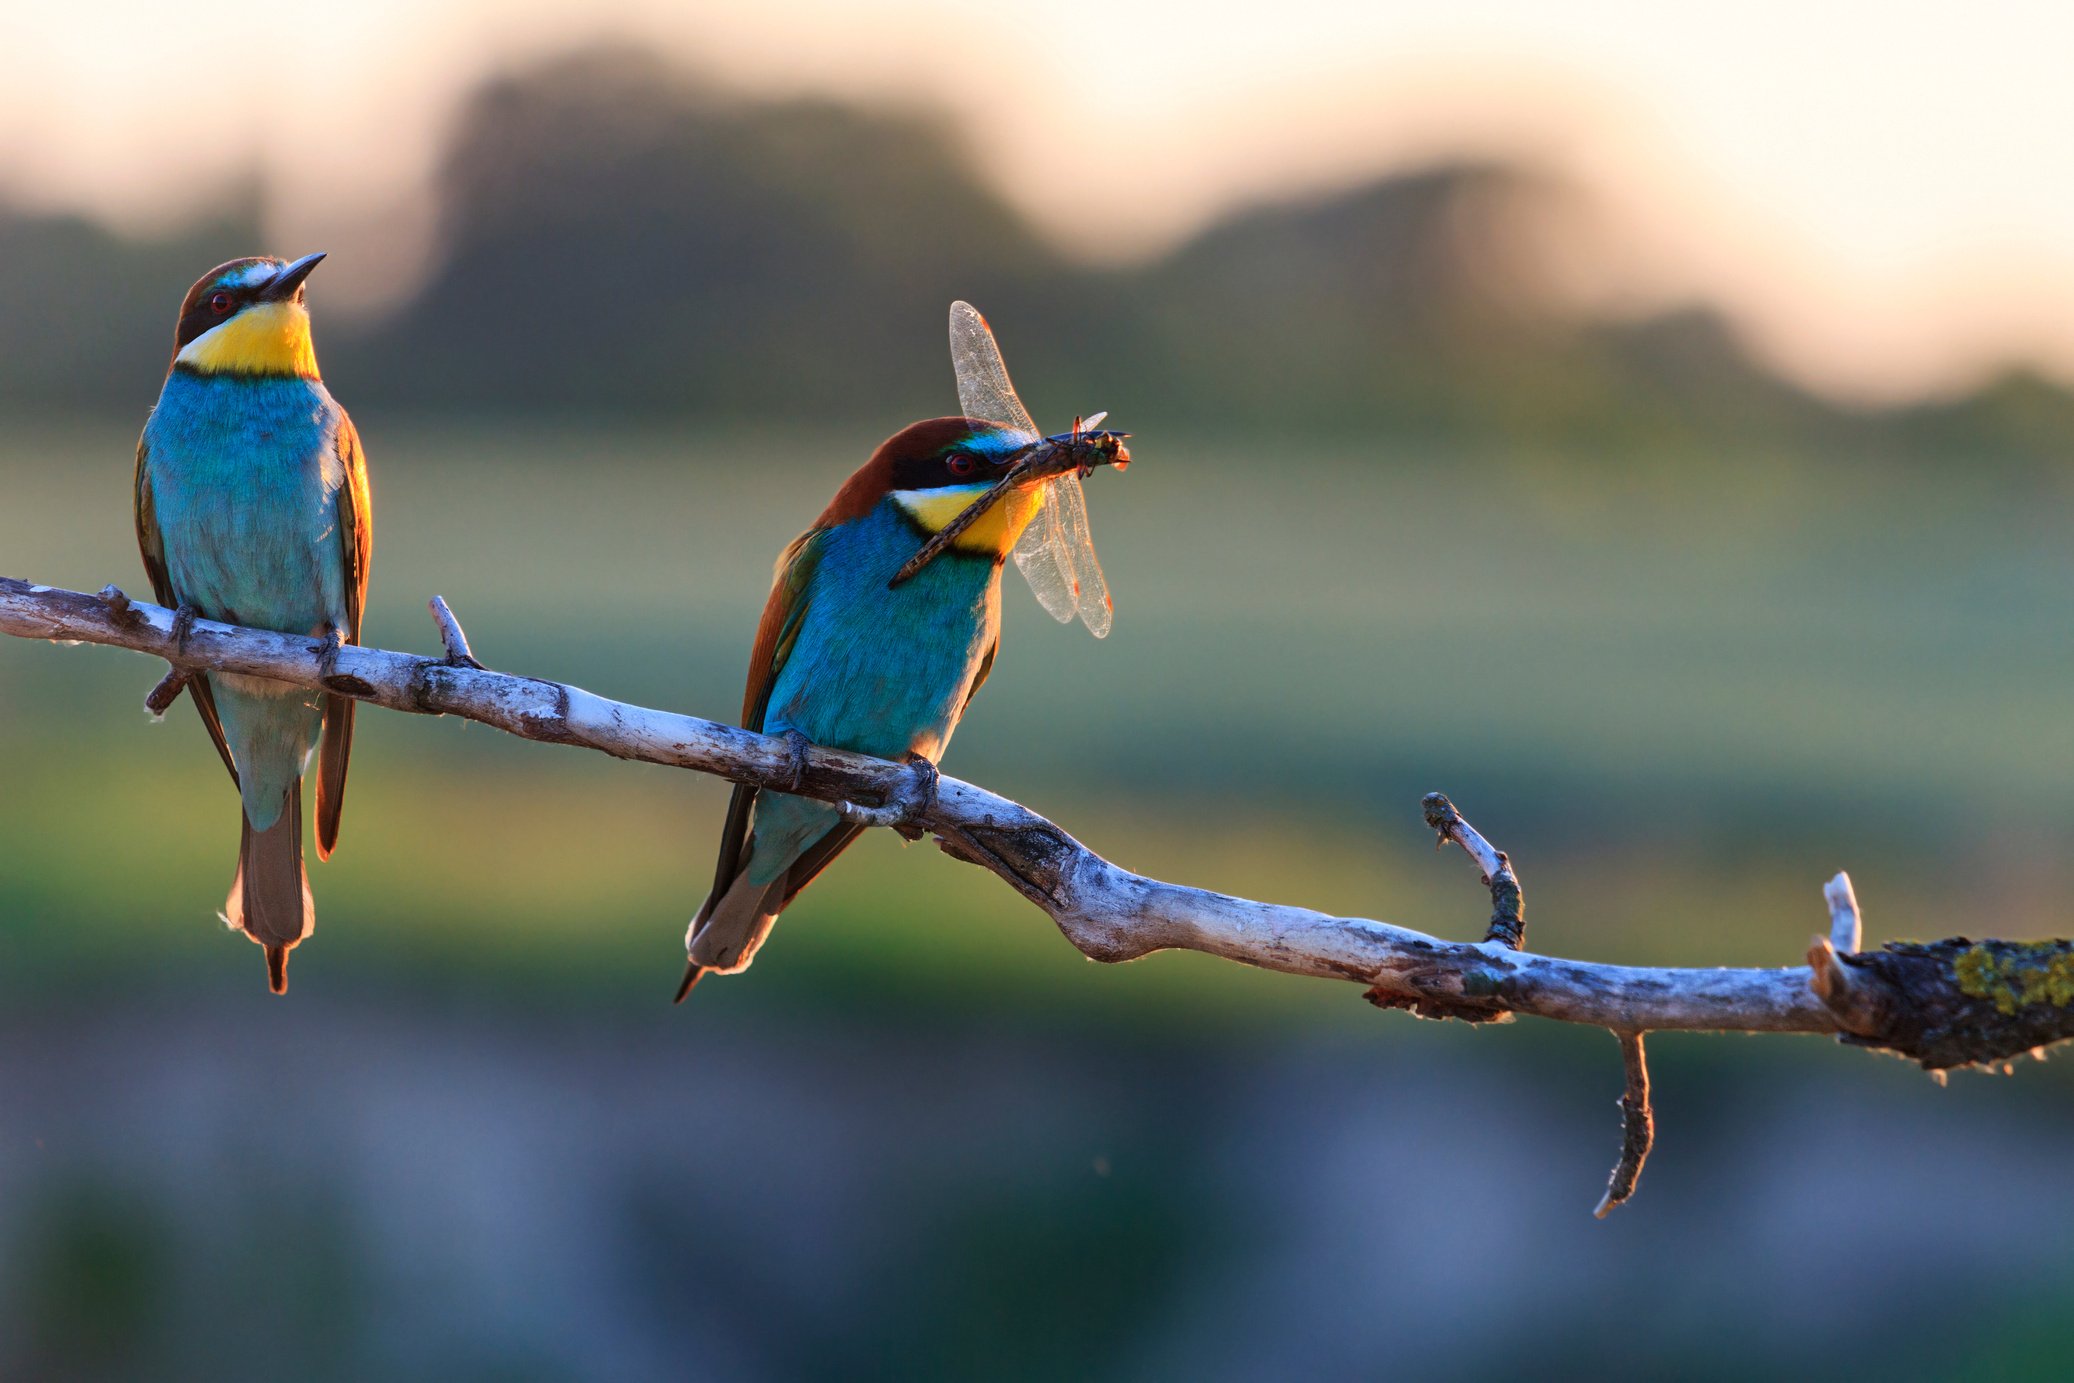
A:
(252, 508)
(852, 655)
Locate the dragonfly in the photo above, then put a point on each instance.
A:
(1056, 553)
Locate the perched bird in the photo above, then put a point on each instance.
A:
(855, 653)
(252, 508)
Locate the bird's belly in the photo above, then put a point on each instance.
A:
(889, 676)
(883, 705)
(252, 573)
(247, 508)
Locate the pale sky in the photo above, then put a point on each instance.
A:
(1882, 193)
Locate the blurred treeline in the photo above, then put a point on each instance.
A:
(615, 237)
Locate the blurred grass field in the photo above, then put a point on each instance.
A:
(1681, 699)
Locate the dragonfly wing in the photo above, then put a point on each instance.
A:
(1038, 553)
(983, 388)
(1057, 551)
(1077, 539)
(1057, 557)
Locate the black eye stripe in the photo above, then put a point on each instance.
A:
(960, 463)
(203, 315)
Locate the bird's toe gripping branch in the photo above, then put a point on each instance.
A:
(796, 745)
(327, 649)
(905, 806)
(184, 616)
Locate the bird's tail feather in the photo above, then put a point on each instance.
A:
(270, 899)
(735, 924)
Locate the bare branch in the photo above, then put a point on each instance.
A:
(1944, 1005)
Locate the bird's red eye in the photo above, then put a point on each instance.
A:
(219, 303)
(959, 463)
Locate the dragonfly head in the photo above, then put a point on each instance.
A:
(1077, 451)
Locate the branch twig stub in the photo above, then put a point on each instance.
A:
(1637, 1126)
(1508, 903)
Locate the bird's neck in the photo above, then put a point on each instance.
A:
(268, 339)
(993, 534)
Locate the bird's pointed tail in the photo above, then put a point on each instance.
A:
(692, 971)
(270, 899)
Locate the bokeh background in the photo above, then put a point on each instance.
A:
(1650, 426)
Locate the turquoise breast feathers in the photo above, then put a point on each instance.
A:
(883, 671)
(245, 474)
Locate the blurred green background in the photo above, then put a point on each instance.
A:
(1682, 636)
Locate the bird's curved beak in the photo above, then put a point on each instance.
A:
(287, 281)
(1039, 463)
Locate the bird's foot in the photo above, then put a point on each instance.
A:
(796, 746)
(906, 804)
(184, 616)
(326, 648)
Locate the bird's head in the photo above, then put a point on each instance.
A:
(933, 471)
(247, 318)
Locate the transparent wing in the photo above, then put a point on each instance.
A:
(1090, 589)
(1057, 557)
(983, 387)
(1041, 554)
(1056, 553)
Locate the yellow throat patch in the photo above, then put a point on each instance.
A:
(994, 533)
(264, 339)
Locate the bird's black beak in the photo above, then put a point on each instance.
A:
(288, 280)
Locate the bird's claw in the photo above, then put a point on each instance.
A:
(327, 649)
(184, 616)
(796, 745)
(907, 803)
